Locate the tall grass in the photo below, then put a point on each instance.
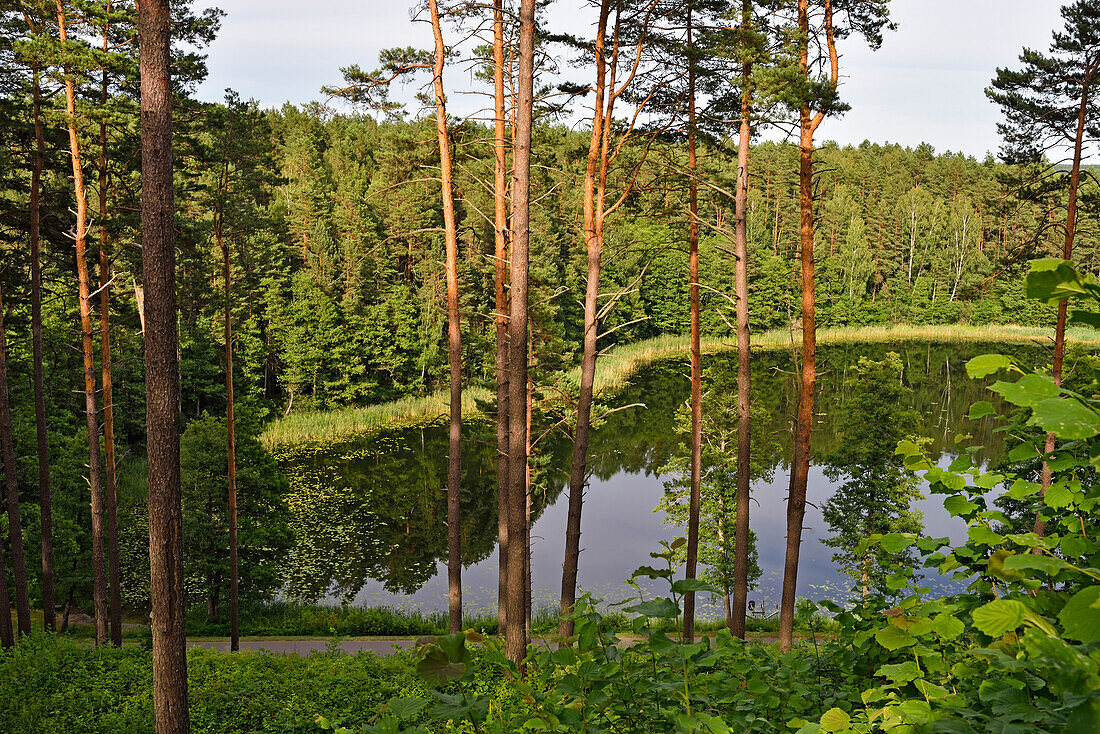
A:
(335, 424)
(618, 365)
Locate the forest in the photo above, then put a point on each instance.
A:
(256, 360)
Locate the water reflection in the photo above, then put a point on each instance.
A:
(369, 513)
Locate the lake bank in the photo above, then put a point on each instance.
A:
(617, 366)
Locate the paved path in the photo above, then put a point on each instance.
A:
(304, 647)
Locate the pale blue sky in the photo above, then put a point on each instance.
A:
(924, 85)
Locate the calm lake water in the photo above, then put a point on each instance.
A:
(370, 512)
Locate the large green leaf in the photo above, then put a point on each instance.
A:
(897, 542)
(987, 364)
(947, 626)
(1081, 615)
(436, 669)
(404, 708)
(662, 608)
(1052, 280)
(1028, 391)
(835, 720)
(1065, 418)
(682, 586)
(999, 616)
(893, 638)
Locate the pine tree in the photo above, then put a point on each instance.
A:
(1052, 107)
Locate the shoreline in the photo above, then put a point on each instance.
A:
(304, 430)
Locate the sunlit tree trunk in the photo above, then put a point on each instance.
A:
(696, 353)
(110, 485)
(500, 239)
(592, 197)
(95, 474)
(170, 712)
(1067, 254)
(744, 371)
(516, 636)
(454, 338)
(11, 484)
(800, 464)
(45, 501)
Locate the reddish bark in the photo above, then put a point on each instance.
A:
(500, 237)
(737, 611)
(800, 464)
(161, 374)
(515, 636)
(95, 475)
(454, 336)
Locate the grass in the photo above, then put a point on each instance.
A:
(288, 619)
(618, 365)
(336, 424)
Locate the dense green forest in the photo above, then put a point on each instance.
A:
(178, 277)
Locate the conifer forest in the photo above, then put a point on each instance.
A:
(304, 407)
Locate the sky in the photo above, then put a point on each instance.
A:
(924, 85)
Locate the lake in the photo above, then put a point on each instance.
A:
(369, 512)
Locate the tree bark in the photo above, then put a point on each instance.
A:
(454, 337)
(500, 237)
(593, 196)
(11, 484)
(95, 476)
(744, 372)
(7, 637)
(1067, 254)
(527, 509)
(110, 485)
(162, 374)
(696, 353)
(516, 637)
(800, 465)
(45, 501)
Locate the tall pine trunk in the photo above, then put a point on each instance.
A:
(162, 374)
(1067, 254)
(95, 475)
(7, 636)
(593, 197)
(527, 590)
(800, 464)
(11, 485)
(738, 609)
(500, 239)
(45, 501)
(454, 337)
(516, 636)
(696, 352)
(110, 484)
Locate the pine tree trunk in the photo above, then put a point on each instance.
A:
(516, 636)
(500, 200)
(162, 374)
(454, 338)
(592, 196)
(800, 464)
(527, 509)
(7, 636)
(45, 501)
(231, 446)
(95, 476)
(11, 484)
(696, 353)
(744, 371)
(110, 483)
(1067, 254)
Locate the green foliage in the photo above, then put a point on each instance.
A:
(264, 534)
